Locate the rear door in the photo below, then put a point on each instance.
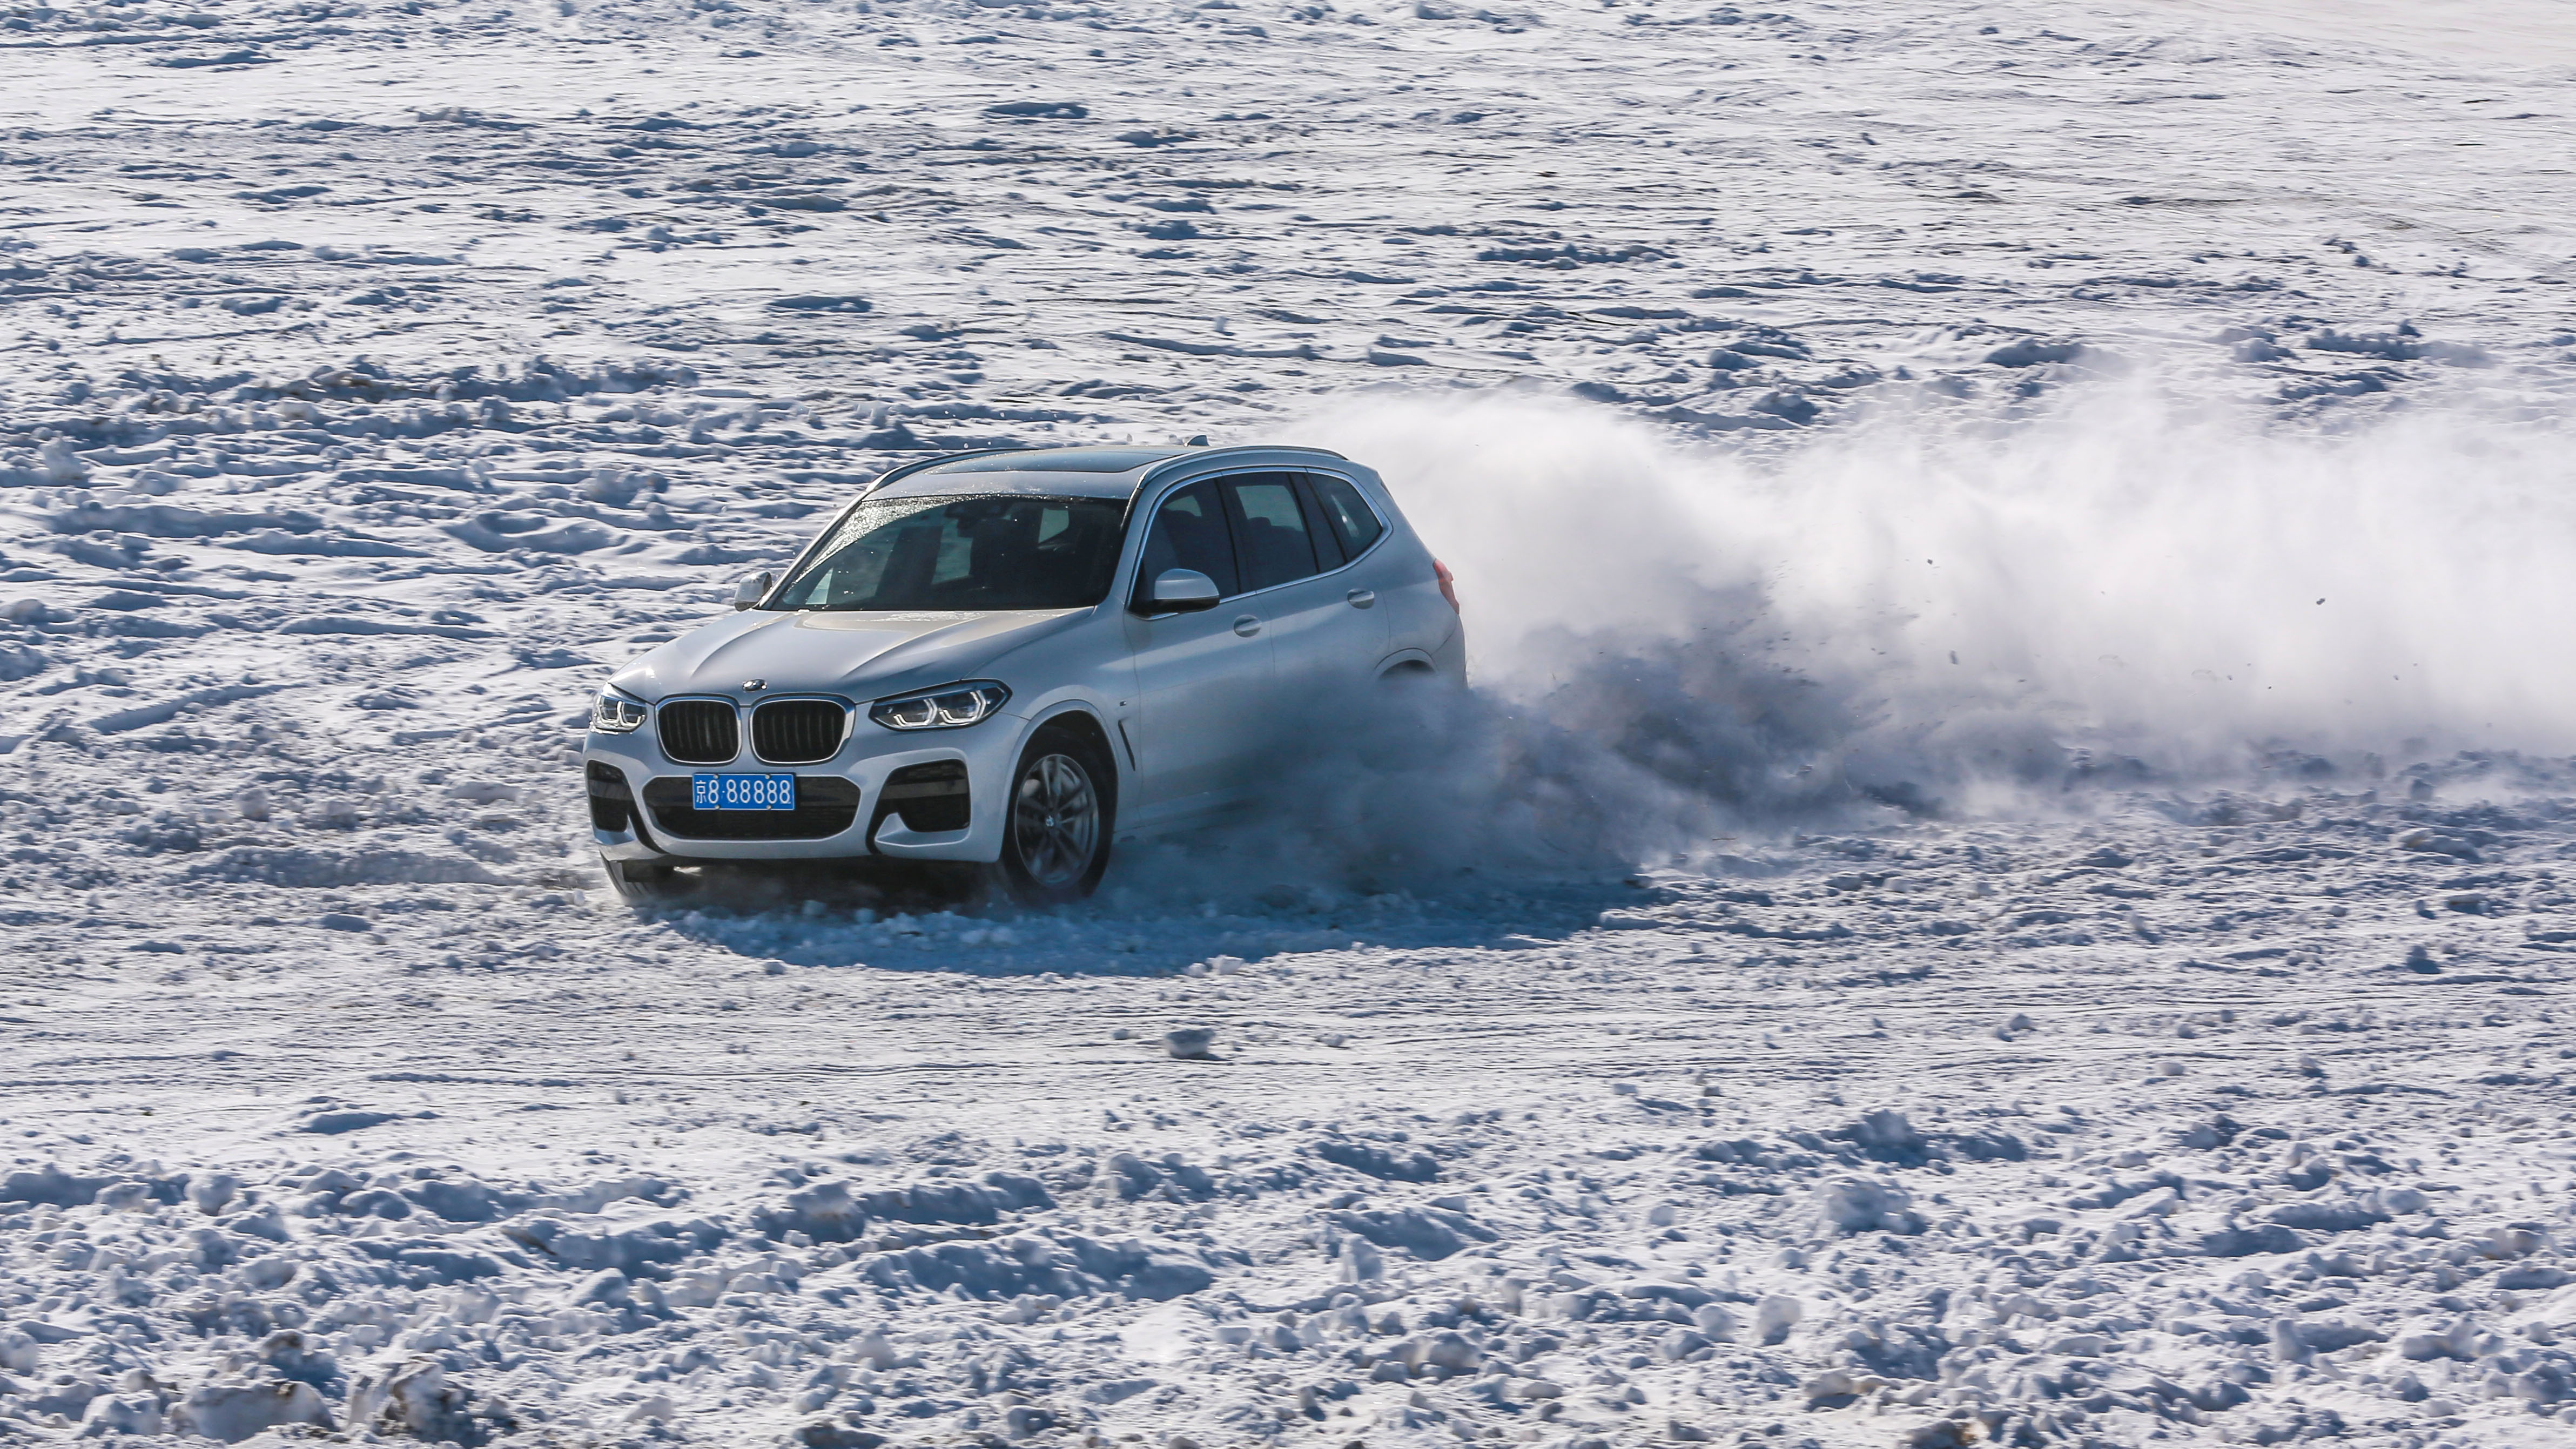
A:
(1326, 632)
(1409, 609)
(1206, 688)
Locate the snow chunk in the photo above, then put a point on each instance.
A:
(1426, 1232)
(415, 1398)
(1067, 1266)
(234, 1412)
(50, 1186)
(1380, 1162)
(835, 1212)
(1862, 1205)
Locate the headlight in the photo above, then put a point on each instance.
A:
(948, 707)
(615, 714)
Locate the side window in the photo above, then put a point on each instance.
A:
(1270, 537)
(1190, 533)
(1328, 546)
(1353, 522)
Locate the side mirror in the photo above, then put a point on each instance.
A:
(752, 590)
(1181, 591)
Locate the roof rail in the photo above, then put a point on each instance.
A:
(1156, 470)
(900, 470)
(903, 470)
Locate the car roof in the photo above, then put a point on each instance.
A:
(1099, 472)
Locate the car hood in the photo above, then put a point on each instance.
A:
(834, 653)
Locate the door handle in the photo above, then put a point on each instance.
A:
(1247, 626)
(1361, 598)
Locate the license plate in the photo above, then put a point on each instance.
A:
(742, 792)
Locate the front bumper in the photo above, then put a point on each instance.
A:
(639, 812)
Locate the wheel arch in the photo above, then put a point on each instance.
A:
(1079, 720)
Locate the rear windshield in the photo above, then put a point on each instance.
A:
(963, 555)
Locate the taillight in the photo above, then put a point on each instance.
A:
(1448, 585)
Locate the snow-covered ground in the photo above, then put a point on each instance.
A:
(2096, 985)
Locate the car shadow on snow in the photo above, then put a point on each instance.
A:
(1162, 911)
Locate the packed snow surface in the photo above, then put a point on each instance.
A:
(2007, 878)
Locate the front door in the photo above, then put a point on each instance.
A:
(1205, 683)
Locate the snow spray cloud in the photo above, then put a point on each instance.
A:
(1943, 613)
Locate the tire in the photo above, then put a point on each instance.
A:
(641, 882)
(1058, 819)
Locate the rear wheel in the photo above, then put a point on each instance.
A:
(643, 882)
(1055, 836)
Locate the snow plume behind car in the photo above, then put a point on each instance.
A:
(1414, 785)
(1949, 610)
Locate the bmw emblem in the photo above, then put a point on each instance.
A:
(754, 686)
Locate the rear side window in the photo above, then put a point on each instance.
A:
(1352, 521)
(1190, 533)
(1328, 545)
(1270, 535)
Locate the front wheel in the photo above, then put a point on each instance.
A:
(1055, 838)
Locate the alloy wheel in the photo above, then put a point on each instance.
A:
(1056, 819)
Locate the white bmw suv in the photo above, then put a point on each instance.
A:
(1013, 657)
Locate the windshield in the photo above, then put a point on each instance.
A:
(963, 555)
